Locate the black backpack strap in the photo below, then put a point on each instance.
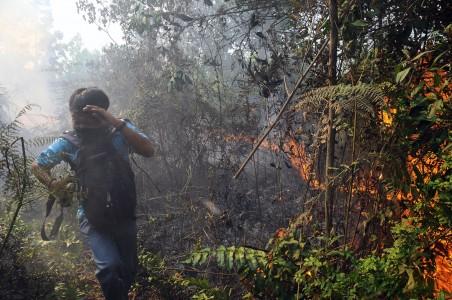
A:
(56, 225)
(72, 138)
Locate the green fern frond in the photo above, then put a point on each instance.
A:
(368, 98)
(228, 257)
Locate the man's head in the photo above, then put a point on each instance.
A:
(87, 96)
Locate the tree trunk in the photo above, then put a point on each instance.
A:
(329, 164)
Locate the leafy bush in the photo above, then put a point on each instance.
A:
(317, 269)
(156, 279)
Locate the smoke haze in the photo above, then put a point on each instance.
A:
(24, 38)
(29, 28)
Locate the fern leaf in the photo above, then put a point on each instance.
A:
(240, 257)
(251, 259)
(204, 256)
(368, 98)
(230, 257)
(220, 256)
(196, 258)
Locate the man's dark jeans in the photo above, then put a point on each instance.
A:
(115, 255)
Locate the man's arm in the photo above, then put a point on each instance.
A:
(140, 144)
(50, 157)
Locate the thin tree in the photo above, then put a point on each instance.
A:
(332, 59)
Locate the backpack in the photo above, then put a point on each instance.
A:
(106, 184)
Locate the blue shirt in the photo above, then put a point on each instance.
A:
(62, 149)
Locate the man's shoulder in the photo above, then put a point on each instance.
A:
(55, 152)
(71, 137)
(66, 142)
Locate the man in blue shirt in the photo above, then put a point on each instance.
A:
(115, 250)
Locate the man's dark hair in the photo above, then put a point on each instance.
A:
(88, 96)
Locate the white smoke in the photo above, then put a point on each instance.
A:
(27, 30)
(24, 39)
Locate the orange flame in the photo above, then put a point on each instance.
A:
(443, 271)
(295, 151)
(301, 161)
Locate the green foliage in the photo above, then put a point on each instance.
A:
(244, 259)
(67, 291)
(203, 288)
(72, 271)
(57, 268)
(368, 98)
(155, 272)
(317, 269)
(400, 76)
(423, 131)
(33, 268)
(23, 278)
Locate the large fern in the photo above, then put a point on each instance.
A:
(368, 98)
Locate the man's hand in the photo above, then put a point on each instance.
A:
(141, 145)
(62, 188)
(102, 115)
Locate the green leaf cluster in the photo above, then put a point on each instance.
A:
(242, 258)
